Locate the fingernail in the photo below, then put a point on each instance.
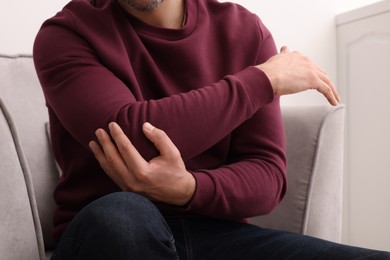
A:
(91, 145)
(111, 125)
(99, 133)
(149, 127)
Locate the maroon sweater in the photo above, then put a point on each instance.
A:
(98, 64)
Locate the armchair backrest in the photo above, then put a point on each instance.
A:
(28, 173)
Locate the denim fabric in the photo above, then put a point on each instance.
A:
(128, 226)
(213, 239)
(118, 226)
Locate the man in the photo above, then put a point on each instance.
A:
(202, 80)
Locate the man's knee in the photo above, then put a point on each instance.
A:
(120, 225)
(123, 202)
(122, 211)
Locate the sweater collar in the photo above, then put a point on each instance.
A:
(147, 30)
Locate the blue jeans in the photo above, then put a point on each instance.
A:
(128, 226)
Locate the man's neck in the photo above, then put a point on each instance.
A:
(170, 14)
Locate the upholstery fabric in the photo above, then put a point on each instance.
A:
(22, 95)
(19, 231)
(312, 205)
(315, 173)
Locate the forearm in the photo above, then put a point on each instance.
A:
(186, 117)
(253, 181)
(200, 118)
(237, 191)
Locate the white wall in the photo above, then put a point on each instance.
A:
(311, 32)
(304, 25)
(307, 26)
(20, 21)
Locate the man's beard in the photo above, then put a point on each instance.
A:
(143, 5)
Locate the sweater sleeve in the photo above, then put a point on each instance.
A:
(254, 181)
(86, 95)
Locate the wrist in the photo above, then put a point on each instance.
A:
(189, 188)
(271, 77)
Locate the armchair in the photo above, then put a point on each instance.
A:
(312, 205)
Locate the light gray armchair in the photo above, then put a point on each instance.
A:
(28, 173)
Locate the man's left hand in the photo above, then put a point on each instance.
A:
(164, 178)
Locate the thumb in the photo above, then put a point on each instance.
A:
(284, 49)
(160, 140)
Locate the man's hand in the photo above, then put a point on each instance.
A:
(291, 72)
(164, 178)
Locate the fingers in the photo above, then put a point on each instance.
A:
(329, 93)
(106, 154)
(120, 160)
(324, 85)
(124, 150)
(161, 140)
(284, 49)
(327, 88)
(98, 152)
(129, 153)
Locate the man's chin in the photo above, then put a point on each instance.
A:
(144, 6)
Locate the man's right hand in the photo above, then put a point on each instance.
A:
(292, 72)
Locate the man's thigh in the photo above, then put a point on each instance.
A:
(118, 226)
(217, 239)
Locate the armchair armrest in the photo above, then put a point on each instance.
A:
(20, 229)
(313, 203)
